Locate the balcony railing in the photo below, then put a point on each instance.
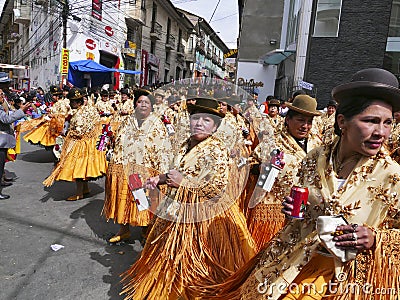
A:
(156, 30)
(201, 45)
(22, 13)
(209, 53)
(170, 42)
(136, 13)
(180, 50)
(190, 55)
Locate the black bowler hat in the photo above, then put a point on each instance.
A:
(104, 93)
(332, 103)
(372, 83)
(142, 92)
(233, 99)
(75, 94)
(191, 93)
(207, 105)
(55, 90)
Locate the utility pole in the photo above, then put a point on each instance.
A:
(65, 12)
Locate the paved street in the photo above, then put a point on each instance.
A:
(36, 217)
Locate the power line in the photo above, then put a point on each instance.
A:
(214, 11)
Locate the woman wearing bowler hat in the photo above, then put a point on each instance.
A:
(141, 146)
(52, 124)
(80, 161)
(351, 180)
(199, 236)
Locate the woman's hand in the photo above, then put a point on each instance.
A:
(151, 183)
(287, 206)
(174, 178)
(354, 236)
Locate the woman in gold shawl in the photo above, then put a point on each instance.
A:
(80, 161)
(200, 236)
(52, 124)
(142, 140)
(264, 217)
(351, 178)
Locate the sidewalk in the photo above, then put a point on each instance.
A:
(36, 217)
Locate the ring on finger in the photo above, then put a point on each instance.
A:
(354, 227)
(354, 237)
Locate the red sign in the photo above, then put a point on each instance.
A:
(143, 75)
(90, 44)
(97, 9)
(109, 31)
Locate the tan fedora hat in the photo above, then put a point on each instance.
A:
(305, 105)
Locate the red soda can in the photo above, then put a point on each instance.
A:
(300, 198)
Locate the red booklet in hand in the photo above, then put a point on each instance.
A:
(136, 186)
(135, 182)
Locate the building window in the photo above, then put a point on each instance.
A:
(168, 56)
(327, 19)
(394, 26)
(143, 4)
(153, 47)
(293, 21)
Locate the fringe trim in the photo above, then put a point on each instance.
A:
(119, 203)
(375, 274)
(69, 145)
(182, 260)
(264, 222)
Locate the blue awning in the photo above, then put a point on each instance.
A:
(99, 74)
(275, 57)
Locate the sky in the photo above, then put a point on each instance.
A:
(225, 19)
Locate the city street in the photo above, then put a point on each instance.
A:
(34, 218)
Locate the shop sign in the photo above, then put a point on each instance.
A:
(130, 49)
(90, 44)
(109, 31)
(64, 61)
(153, 60)
(97, 9)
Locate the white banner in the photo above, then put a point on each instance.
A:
(306, 85)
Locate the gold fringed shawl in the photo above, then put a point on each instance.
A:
(145, 150)
(265, 218)
(84, 126)
(369, 196)
(254, 116)
(199, 237)
(375, 274)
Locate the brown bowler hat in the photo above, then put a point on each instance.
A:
(371, 83)
(205, 105)
(305, 105)
(275, 102)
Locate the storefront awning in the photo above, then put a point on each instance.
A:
(99, 74)
(275, 57)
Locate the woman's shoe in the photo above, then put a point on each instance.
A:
(75, 197)
(117, 238)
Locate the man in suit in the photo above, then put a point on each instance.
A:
(7, 138)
